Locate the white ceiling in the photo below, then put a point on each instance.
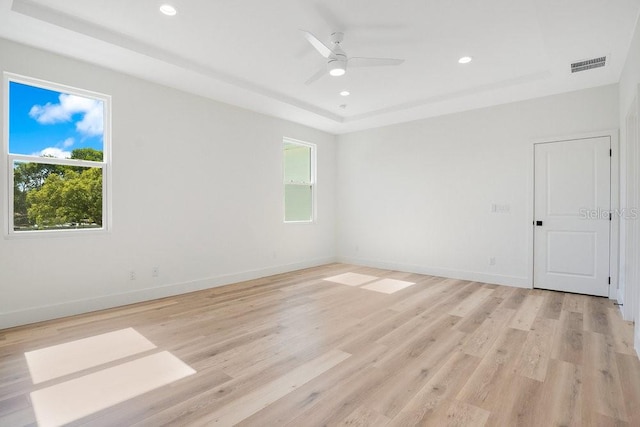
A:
(251, 53)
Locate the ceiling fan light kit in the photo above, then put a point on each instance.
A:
(337, 68)
(337, 59)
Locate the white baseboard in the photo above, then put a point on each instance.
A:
(69, 308)
(497, 279)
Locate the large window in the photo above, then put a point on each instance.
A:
(57, 151)
(299, 181)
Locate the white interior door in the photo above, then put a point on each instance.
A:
(572, 216)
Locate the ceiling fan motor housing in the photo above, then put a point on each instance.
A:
(337, 37)
(337, 63)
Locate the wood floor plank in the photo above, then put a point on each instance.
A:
(629, 372)
(459, 414)
(517, 405)
(536, 352)
(251, 403)
(569, 338)
(516, 298)
(23, 417)
(483, 338)
(552, 306)
(621, 332)
(429, 403)
(526, 314)
(560, 399)
(428, 288)
(596, 318)
(420, 341)
(469, 304)
(474, 319)
(334, 407)
(347, 379)
(601, 378)
(574, 303)
(293, 349)
(417, 369)
(484, 386)
(364, 417)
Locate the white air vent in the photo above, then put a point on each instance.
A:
(588, 64)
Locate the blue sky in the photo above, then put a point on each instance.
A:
(47, 122)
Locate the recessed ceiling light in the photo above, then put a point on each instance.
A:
(345, 93)
(465, 60)
(168, 10)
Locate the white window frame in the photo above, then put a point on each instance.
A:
(312, 182)
(9, 158)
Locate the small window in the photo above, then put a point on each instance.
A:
(57, 152)
(299, 181)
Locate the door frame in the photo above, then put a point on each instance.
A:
(614, 228)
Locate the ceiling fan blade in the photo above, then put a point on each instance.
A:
(373, 62)
(320, 73)
(320, 47)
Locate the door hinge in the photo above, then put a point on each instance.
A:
(609, 216)
(610, 152)
(609, 280)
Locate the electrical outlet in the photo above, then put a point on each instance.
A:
(492, 260)
(132, 275)
(155, 271)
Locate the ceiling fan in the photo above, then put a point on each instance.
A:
(338, 59)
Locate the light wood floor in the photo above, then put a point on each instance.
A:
(297, 350)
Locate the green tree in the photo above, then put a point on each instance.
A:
(28, 177)
(44, 202)
(87, 154)
(75, 197)
(20, 217)
(51, 195)
(82, 197)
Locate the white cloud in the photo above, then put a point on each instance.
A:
(53, 152)
(90, 124)
(68, 142)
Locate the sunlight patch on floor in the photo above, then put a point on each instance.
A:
(67, 401)
(351, 279)
(71, 400)
(64, 359)
(371, 283)
(388, 286)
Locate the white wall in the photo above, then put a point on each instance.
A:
(418, 196)
(197, 191)
(629, 88)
